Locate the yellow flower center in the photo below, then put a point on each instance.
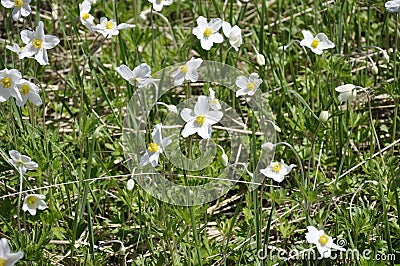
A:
(250, 86)
(85, 16)
(17, 3)
(184, 69)
(153, 147)
(6, 82)
(31, 200)
(3, 262)
(25, 89)
(214, 101)
(277, 167)
(315, 43)
(109, 25)
(37, 43)
(323, 240)
(200, 119)
(207, 32)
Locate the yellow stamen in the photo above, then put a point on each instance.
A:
(153, 147)
(323, 240)
(207, 32)
(85, 16)
(3, 262)
(315, 43)
(200, 119)
(109, 25)
(250, 86)
(18, 3)
(37, 43)
(184, 69)
(6, 82)
(31, 200)
(214, 101)
(25, 89)
(276, 167)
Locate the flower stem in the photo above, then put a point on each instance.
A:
(396, 101)
(21, 179)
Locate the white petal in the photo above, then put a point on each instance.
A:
(215, 24)
(50, 41)
(214, 116)
(206, 44)
(189, 129)
(307, 35)
(202, 106)
(205, 131)
(125, 72)
(241, 82)
(216, 37)
(241, 92)
(226, 28)
(187, 114)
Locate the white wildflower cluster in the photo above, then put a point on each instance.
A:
(106, 27)
(208, 33)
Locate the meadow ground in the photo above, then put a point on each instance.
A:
(261, 124)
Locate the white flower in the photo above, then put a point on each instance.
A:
(234, 34)
(22, 162)
(323, 116)
(324, 242)
(130, 184)
(109, 28)
(393, 6)
(92, 1)
(347, 92)
(86, 18)
(139, 76)
(260, 59)
(155, 148)
(187, 71)
(158, 4)
(207, 33)
(277, 170)
(37, 44)
(20, 8)
(317, 44)
(213, 102)
(29, 91)
(6, 257)
(248, 86)
(33, 202)
(200, 119)
(8, 84)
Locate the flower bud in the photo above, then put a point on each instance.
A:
(172, 108)
(374, 69)
(225, 159)
(323, 116)
(130, 184)
(260, 59)
(269, 146)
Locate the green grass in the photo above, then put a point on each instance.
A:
(76, 137)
